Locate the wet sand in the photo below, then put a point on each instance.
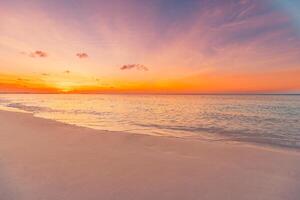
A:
(46, 160)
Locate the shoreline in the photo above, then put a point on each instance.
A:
(199, 138)
(45, 159)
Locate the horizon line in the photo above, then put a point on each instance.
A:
(120, 93)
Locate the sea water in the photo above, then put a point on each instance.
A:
(261, 119)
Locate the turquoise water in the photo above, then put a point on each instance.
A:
(261, 119)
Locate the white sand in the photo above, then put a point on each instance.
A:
(46, 160)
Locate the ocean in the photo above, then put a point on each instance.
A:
(272, 120)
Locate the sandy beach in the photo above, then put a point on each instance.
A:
(44, 159)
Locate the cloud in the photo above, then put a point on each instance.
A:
(82, 55)
(35, 54)
(23, 53)
(45, 74)
(22, 79)
(38, 53)
(67, 72)
(134, 66)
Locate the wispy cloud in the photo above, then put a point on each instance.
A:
(82, 55)
(67, 72)
(38, 53)
(35, 54)
(22, 79)
(134, 66)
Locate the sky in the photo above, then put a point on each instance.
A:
(150, 46)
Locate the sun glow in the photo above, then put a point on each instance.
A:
(139, 47)
(65, 86)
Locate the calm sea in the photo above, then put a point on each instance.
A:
(261, 119)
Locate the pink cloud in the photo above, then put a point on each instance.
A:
(35, 54)
(82, 55)
(38, 53)
(136, 66)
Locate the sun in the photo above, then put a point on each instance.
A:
(65, 86)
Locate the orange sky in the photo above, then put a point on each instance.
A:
(154, 46)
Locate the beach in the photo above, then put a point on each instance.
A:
(45, 159)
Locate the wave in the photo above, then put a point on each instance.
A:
(32, 109)
(38, 109)
(236, 135)
(4, 101)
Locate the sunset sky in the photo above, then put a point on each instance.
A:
(150, 46)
